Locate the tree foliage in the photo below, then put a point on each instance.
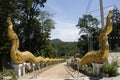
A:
(87, 23)
(115, 35)
(64, 49)
(89, 31)
(7, 8)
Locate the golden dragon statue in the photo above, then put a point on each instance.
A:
(17, 56)
(101, 55)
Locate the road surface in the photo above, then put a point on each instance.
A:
(56, 72)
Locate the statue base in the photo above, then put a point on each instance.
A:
(96, 68)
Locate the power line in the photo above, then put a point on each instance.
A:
(99, 9)
(88, 7)
(99, 15)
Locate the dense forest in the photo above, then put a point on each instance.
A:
(64, 49)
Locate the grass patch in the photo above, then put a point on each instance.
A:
(8, 72)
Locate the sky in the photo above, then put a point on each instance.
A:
(66, 14)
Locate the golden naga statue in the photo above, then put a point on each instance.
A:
(17, 56)
(102, 54)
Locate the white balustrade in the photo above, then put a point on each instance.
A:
(23, 68)
(18, 69)
(33, 67)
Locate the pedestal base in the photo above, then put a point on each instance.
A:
(96, 68)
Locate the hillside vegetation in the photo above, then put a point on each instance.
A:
(64, 49)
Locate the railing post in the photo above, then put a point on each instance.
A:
(33, 67)
(24, 68)
(18, 69)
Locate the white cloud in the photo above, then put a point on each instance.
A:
(65, 30)
(52, 7)
(65, 24)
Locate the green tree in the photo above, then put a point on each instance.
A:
(114, 37)
(88, 31)
(34, 28)
(7, 8)
(28, 27)
(64, 49)
(87, 24)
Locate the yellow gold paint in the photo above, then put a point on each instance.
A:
(102, 54)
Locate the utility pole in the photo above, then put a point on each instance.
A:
(90, 46)
(102, 13)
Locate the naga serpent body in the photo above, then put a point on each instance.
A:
(17, 56)
(102, 54)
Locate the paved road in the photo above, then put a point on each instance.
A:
(56, 72)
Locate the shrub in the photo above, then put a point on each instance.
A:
(110, 69)
(86, 70)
